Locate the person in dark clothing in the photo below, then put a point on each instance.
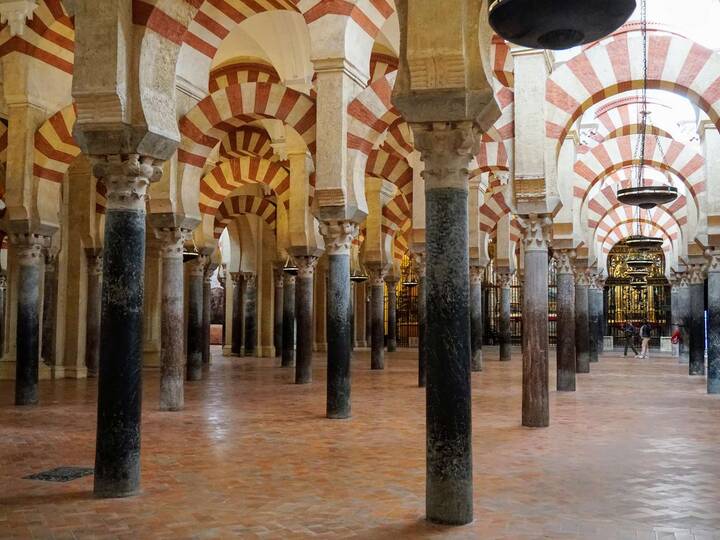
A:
(630, 333)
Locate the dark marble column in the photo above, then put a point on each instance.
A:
(595, 315)
(582, 322)
(236, 347)
(338, 240)
(392, 314)
(94, 311)
(505, 331)
(49, 319)
(683, 315)
(422, 317)
(565, 350)
(697, 320)
(476, 318)
(446, 151)
(535, 401)
(713, 338)
(250, 315)
(377, 314)
(172, 336)
(278, 312)
(288, 351)
(368, 313)
(195, 336)
(117, 452)
(29, 249)
(3, 302)
(206, 315)
(304, 313)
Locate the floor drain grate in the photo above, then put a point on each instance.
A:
(61, 474)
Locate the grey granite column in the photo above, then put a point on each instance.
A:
(377, 314)
(236, 347)
(304, 313)
(250, 315)
(29, 249)
(476, 318)
(595, 314)
(117, 451)
(338, 240)
(697, 319)
(447, 150)
(93, 315)
(535, 401)
(3, 310)
(566, 355)
(713, 338)
(422, 318)
(172, 317)
(683, 315)
(288, 342)
(195, 338)
(206, 315)
(392, 313)
(278, 312)
(582, 322)
(368, 313)
(505, 329)
(49, 319)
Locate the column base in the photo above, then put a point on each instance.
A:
(75, 372)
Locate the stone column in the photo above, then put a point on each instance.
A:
(476, 317)
(595, 315)
(288, 351)
(392, 314)
(697, 319)
(535, 403)
(505, 331)
(250, 316)
(447, 150)
(94, 311)
(304, 314)
(3, 303)
(422, 318)
(566, 352)
(360, 315)
(278, 312)
(713, 368)
(195, 340)
(377, 314)
(172, 337)
(117, 453)
(237, 314)
(206, 315)
(338, 240)
(683, 315)
(582, 323)
(368, 313)
(49, 319)
(29, 249)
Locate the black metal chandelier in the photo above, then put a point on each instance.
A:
(642, 242)
(639, 263)
(639, 194)
(558, 24)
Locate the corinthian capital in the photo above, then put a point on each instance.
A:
(447, 149)
(338, 236)
(476, 275)
(29, 247)
(126, 179)
(696, 274)
(306, 266)
(171, 240)
(713, 257)
(504, 279)
(564, 258)
(537, 231)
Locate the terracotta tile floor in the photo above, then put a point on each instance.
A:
(635, 453)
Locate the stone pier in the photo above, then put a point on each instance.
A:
(582, 322)
(713, 353)
(304, 313)
(505, 329)
(236, 347)
(195, 336)
(476, 318)
(566, 351)
(288, 324)
(94, 309)
(697, 320)
(392, 313)
(250, 314)
(377, 314)
(278, 311)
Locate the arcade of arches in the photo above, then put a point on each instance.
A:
(341, 306)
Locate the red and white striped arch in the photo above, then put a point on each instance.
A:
(382, 64)
(371, 114)
(502, 61)
(226, 177)
(244, 204)
(675, 64)
(399, 139)
(242, 72)
(619, 231)
(247, 141)
(392, 168)
(616, 154)
(396, 214)
(222, 112)
(55, 147)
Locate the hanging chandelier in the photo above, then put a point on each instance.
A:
(642, 242)
(558, 24)
(639, 194)
(638, 273)
(639, 263)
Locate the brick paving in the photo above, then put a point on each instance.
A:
(633, 454)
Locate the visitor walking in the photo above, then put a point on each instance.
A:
(645, 337)
(630, 332)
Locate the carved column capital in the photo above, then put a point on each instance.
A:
(94, 263)
(29, 247)
(582, 276)
(306, 266)
(172, 240)
(376, 276)
(565, 259)
(476, 275)
(696, 274)
(339, 236)
(250, 279)
(447, 149)
(536, 231)
(596, 280)
(419, 264)
(713, 257)
(3, 282)
(235, 277)
(278, 278)
(504, 279)
(197, 266)
(288, 279)
(126, 179)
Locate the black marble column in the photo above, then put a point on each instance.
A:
(535, 401)
(288, 351)
(368, 314)
(505, 328)
(377, 314)
(713, 369)
(278, 312)
(94, 311)
(595, 314)
(304, 313)
(476, 318)
(449, 486)
(250, 316)
(206, 315)
(49, 319)
(117, 452)
(172, 337)
(236, 347)
(582, 322)
(697, 320)
(338, 240)
(422, 317)
(392, 314)
(565, 350)
(195, 335)
(29, 250)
